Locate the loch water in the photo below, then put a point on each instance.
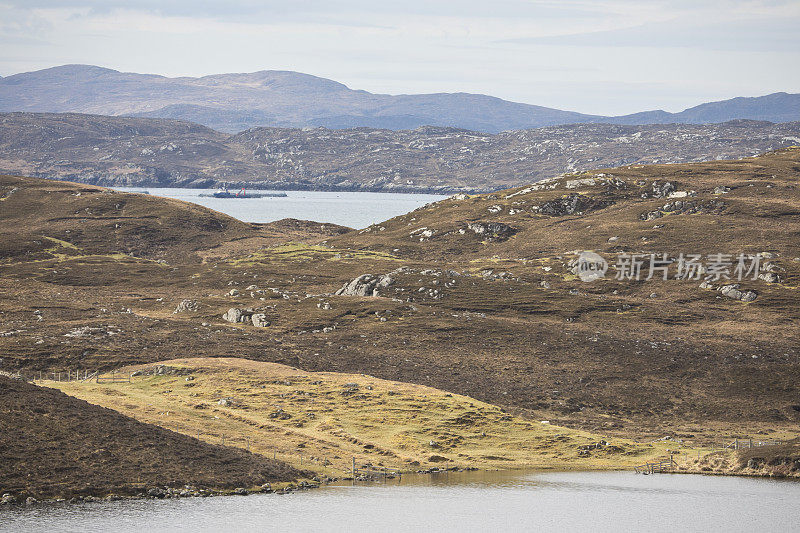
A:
(352, 209)
(468, 501)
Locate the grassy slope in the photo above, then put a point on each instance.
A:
(54, 445)
(328, 418)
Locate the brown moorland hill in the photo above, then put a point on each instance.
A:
(66, 217)
(481, 300)
(56, 446)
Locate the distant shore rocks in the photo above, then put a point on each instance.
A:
(366, 285)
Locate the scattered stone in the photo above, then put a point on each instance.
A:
(157, 492)
(365, 285)
(186, 306)
(661, 190)
(233, 315)
(280, 414)
(583, 182)
(769, 277)
(260, 320)
(733, 291)
(233, 292)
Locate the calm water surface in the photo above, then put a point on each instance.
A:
(474, 501)
(353, 209)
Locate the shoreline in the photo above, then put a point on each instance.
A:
(283, 488)
(271, 186)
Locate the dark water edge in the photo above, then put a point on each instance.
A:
(455, 501)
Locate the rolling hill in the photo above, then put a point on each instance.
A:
(477, 295)
(121, 151)
(235, 102)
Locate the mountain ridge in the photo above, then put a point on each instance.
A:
(234, 102)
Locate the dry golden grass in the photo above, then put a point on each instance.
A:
(324, 419)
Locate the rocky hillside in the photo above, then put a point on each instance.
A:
(154, 152)
(235, 102)
(56, 446)
(479, 295)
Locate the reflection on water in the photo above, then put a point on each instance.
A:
(470, 501)
(352, 209)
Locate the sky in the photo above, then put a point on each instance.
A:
(604, 57)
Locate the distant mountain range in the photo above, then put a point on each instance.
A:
(236, 102)
(150, 152)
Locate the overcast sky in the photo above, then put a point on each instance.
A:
(604, 57)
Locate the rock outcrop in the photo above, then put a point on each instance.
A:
(492, 231)
(235, 315)
(260, 320)
(365, 285)
(685, 207)
(733, 291)
(660, 190)
(570, 204)
(187, 306)
(246, 316)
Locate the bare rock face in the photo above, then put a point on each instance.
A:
(365, 285)
(570, 204)
(492, 231)
(187, 306)
(733, 291)
(260, 320)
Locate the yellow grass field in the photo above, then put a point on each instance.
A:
(321, 420)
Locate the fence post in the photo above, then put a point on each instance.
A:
(354, 467)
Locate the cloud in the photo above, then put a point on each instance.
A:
(664, 53)
(281, 8)
(755, 34)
